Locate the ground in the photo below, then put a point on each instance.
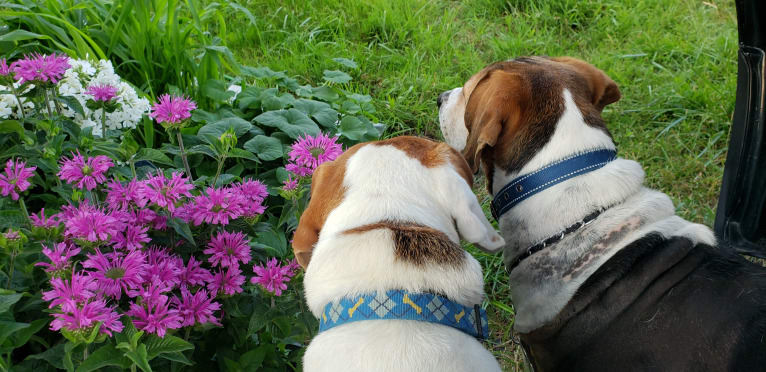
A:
(675, 62)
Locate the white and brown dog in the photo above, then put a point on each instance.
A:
(603, 274)
(386, 216)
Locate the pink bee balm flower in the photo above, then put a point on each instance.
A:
(172, 109)
(115, 273)
(84, 317)
(193, 274)
(162, 268)
(196, 308)
(155, 316)
(104, 93)
(310, 151)
(5, 70)
(217, 207)
(92, 224)
(298, 170)
(39, 68)
(15, 178)
(40, 220)
(290, 184)
(132, 238)
(82, 173)
(273, 277)
(253, 192)
(120, 196)
(59, 257)
(70, 293)
(228, 249)
(226, 281)
(164, 192)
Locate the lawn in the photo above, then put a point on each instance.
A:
(675, 63)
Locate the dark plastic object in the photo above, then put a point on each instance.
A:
(740, 222)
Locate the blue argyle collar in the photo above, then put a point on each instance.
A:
(399, 304)
(523, 187)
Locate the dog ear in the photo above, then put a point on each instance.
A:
(603, 89)
(326, 193)
(456, 195)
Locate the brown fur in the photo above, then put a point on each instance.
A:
(431, 154)
(513, 107)
(418, 244)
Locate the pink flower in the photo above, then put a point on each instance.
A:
(120, 196)
(217, 207)
(39, 68)
(196, 308)
(298, 170)
(82, 173)
(82, 318)
(132, 238)
(273, 277)
(15, 178)
(162, 268)
(39, 220)
(228, 249)
(103, 92)
(115, 273)
(59, 257)
(164, 192)
(155, 316)
(310, 152)
(91, 224)
(290, 184)
(253, 192)
(172, 109)
(226, 281)
(5, 70)
(69, 293)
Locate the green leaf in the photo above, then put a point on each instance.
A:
(177, 357)
(336, 76)
(217, 90)
(266, 148)
(19, 35)
(21, 337)
(211, 132)
(140, 358)
(293, 122)
(72, 103)
(352, 128)
(325, 93)
(262, 73)
(253, 359)
(170, 344)
(104, 356)
(8, 299)
(361, 98)
(12, 126)
(346, 62)
(274, 241)
(182, 228)
(250, 97)
(8, 328)
(244, 154)
(277, 102)
(54, 356)
(320, 111)
(153, 155)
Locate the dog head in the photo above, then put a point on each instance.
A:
(404, 179)
(509, 110)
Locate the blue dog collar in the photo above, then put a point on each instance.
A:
(530, 184)
(399, 304)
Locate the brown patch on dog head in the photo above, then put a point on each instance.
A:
(430, 153)
(418, 244)
(512, 107)
(327, 192)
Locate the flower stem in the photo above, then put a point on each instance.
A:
(48, 104)
(183, 156)
(24, 208)
(18, 99)
(103, 122)
(85, 353)
(221, 160)
(10, 271)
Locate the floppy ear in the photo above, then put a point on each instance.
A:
(456, 195)
(602, 88)
(326, 193)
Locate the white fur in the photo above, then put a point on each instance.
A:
(452, 120)
(618, 185)
(383, 183)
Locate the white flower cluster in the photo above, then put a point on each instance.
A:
(76, 81)
(83, 74)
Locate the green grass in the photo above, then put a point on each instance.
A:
(675, 62)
